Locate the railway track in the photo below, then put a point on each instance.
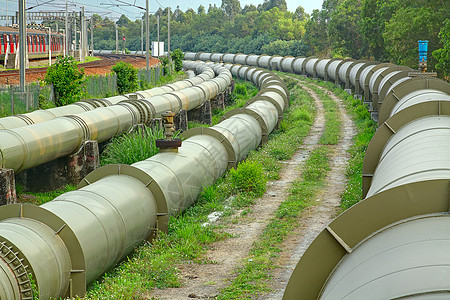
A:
(107, 60)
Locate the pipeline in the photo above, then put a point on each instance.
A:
(394, 244)
(68, 242)
(39, 116)
(28, 146)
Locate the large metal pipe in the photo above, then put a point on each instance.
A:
(393, 244)
(25, 147)
(120, 206)
(39, 116)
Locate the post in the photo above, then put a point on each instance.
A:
(117, 39)
(168, 36)
(82, 35)
(92, 36)
(22, 44)
(49, 46)
(75, 35)
(157, 20)
(147, 35)
(66, 42)
(142, 37)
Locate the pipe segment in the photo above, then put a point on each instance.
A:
(121, 206)
(39, 116)
(25, 147)
(366, 252)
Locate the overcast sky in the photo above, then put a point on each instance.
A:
(109, 7)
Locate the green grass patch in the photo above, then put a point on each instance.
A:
(243, 90)
(365, 127)
(41, 198)
(253, 277)
(154, 265)
(129, 148)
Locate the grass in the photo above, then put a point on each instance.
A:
(41, 198)
(243, 91)
(154, 265)
(365, 127)
(253, 277)
(129, 148)
(332, 130)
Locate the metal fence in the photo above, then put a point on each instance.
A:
(36, 96)
(101, 86)
(150, 76)
(13, 101)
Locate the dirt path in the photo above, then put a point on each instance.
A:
(206, 280)
(317, 217)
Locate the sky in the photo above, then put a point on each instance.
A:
(109, 7)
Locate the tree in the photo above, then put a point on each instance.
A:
(415, 21)
(442, 55)
(231, 8)
(316, 34)
(67, 80)
(374, 15)
(269, 4)
(344, 32)
(300, 14)
(177, 57)
(127, 80)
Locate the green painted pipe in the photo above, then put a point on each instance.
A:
(86, 232)
(39, 116)
(25, 147)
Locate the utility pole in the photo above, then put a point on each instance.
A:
(49, 46)
(82, 35)
(168, 35)
(92, 36)
(117, 39)
(66, 39)
(142, 37)
(147, 35)
(22, 44)
(75, 35)
(157, 21)
(6, 12)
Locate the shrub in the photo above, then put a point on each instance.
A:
(67, 80)
(127, 80)
(177, 58)
(249, 177)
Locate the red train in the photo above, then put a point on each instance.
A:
(37, 41)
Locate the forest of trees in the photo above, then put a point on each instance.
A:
(383, 30)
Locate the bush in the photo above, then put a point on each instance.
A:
(127, 80)
(177, 58)
(67, 80)
(249, 177)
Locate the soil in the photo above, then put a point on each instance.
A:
(204, 281)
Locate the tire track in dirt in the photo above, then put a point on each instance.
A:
(206, 280)
(315, 218)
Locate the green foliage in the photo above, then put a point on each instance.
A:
(252, 278)
(249, 177)
(133, 147)
(127, 80)
(442, 55)
(177, 58)
(165, 65)
(284, 48)
(67, 80)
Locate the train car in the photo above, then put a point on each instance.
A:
(37, 42)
